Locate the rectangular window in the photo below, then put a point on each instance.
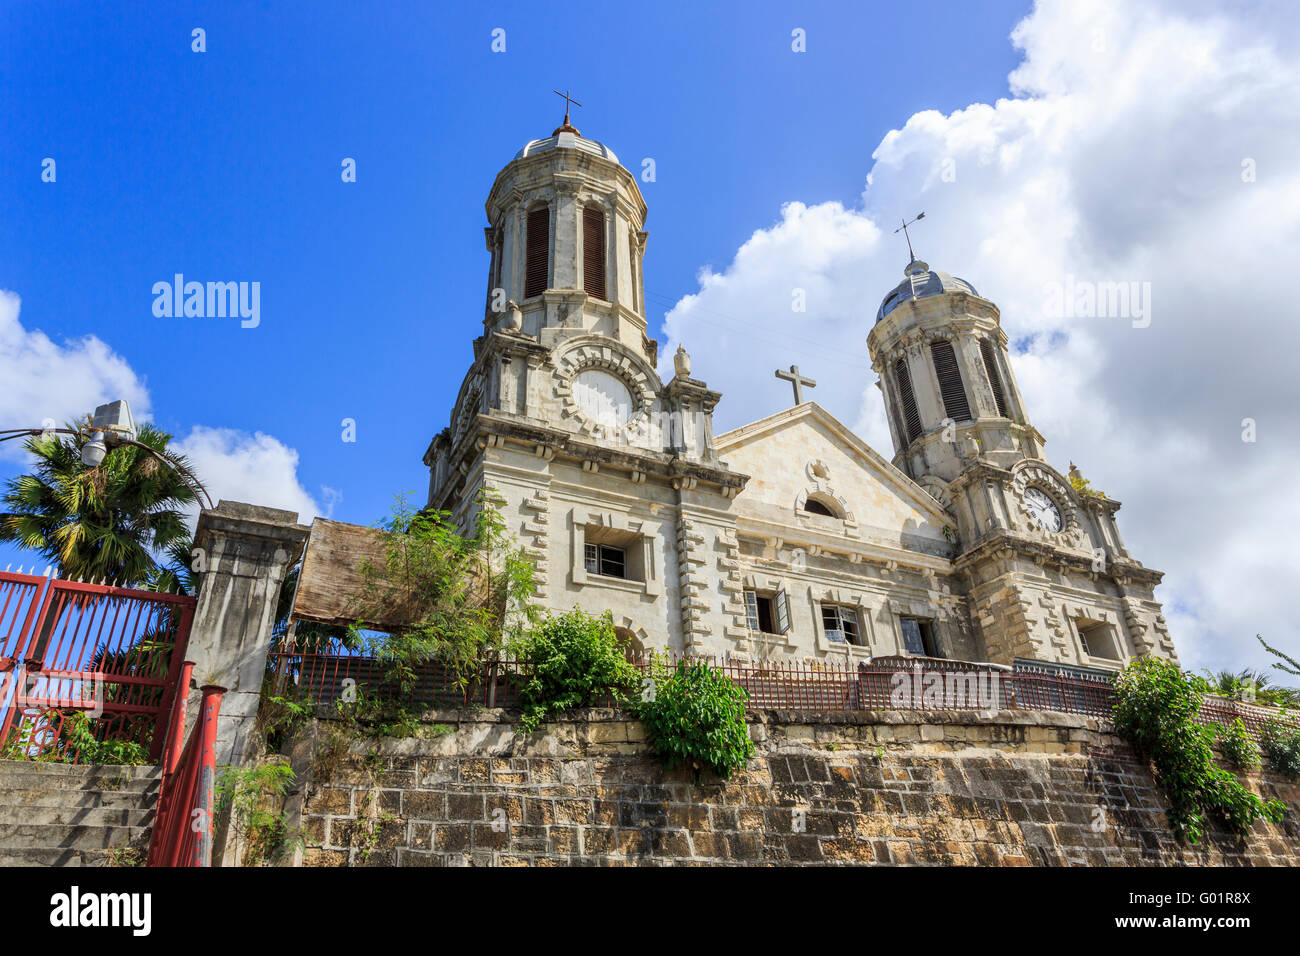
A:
(1097, 639)
(768, 614)
(605, 559)
(538, 245)
(918, 637)
(951, 388)
(995, 380)
(841, 624)
(593, 251)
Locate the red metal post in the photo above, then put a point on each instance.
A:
(176, 730)
(175, 686)
(207, 766)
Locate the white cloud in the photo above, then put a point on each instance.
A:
(41, 380)
(1120, 158)
(257, 469)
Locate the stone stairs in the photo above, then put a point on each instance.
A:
(55, 814)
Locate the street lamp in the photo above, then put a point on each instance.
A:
(109, 427)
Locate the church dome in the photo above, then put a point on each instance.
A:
(566, 137)
(919, 282)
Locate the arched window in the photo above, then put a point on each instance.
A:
(537, 267)
(910, 415)
(822, 505)
(951, 389)
(593, 251)
(995, 380)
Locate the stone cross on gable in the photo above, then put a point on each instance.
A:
(797, 380)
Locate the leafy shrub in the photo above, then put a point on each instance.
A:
(440, 594)
(78, 740)
(1238, 747)
(1281, 744)
(254, 796)
(694, 715)
(572, 660)
(1154, 708)
(281, 718)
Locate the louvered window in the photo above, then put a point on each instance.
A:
(537, 270)
(593, 251)
(910, 415)
(995, 380)
(950, 385)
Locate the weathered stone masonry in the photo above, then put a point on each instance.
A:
(1014, 789)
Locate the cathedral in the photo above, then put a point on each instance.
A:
(789, 538)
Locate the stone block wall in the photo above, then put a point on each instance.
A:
(1008, 789)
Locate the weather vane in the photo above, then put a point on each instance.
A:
(902, 229)
(567, 100)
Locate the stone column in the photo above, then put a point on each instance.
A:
(245, 552)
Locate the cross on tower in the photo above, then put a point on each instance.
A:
(797, 380)
(903, 230)
(567, 100)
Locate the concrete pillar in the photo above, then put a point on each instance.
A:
(246, 551)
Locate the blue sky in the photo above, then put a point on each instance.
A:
(1103, 139)
(225, 165)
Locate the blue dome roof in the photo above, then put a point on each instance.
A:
(919, 282)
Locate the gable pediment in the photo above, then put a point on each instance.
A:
(804, 453)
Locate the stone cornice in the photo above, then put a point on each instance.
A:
(497, 428)
(1002, 541)
(856, 549)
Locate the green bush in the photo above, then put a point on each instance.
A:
(694, 715)
(572, 660)
(1155, 707)
(254, 798)
(1281, 744)
(1238, 747)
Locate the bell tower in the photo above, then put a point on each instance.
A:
(1047, 575)
(950, 393)
(566, 233)
(606, 473)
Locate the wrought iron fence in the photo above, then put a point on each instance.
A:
(72, 650)
(331, 672)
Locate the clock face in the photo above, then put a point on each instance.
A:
(603, 398)
(1042, 507)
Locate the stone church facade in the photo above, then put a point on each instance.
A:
(788, 538)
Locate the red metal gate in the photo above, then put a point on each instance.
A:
(81, 659)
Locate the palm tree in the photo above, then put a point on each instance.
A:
(1249, 685)
(1293, 670)
(104, 523)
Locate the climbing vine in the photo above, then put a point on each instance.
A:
(1155, 707)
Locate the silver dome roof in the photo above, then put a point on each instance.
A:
(566, 137)
(919, 282)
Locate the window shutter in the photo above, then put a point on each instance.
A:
(782, 604)
(950, 385)
(593, 251)
(537, 267)
(912, 636)
(910, 414)
(995, 380)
